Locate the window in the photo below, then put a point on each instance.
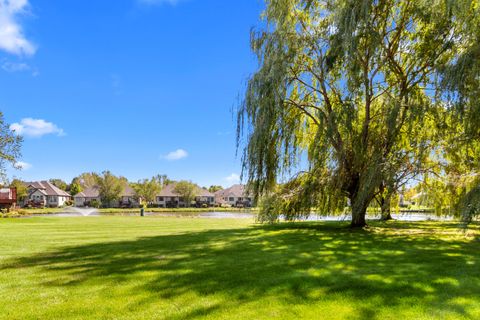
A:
(231, 199)
(160, 199)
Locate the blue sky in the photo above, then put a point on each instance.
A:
(139, 87)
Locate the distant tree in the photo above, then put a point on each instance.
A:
(22, 191)
(59, 183)
(147, 189)
(10, 144)
(187, 190)
(87, 179)
(214, 189)
(163, 180)
(110, 187)
(75, 188)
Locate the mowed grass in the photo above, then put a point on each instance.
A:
(180, 268)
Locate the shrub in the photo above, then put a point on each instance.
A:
(95, 204)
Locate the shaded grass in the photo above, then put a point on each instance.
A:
(159, 268)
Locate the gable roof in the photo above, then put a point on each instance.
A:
(91, 192)
(169, 191)
(128, 191)
(237, 191)
(94, 192)
(48, 189)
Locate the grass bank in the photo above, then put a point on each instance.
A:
(46, 211)
(163, 268)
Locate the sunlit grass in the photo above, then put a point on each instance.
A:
(178, 268)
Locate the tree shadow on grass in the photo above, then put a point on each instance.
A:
(298, 263)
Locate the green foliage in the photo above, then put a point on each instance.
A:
(353, 85)
(10, 145)
(214, 189)
(148, 189)
(75, 188)
(95, 204)
(22, 191)
(86, 180)
(59, 183)
(220, 269)
(110, 187)
(187, 190)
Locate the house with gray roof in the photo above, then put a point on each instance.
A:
(128, 198)
(235, 196)
(87, 196)
(45, 194)
(168, 198)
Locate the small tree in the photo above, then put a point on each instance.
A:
(75, 188)
(110, 187)
(148, 189)
(86, 180)
(187, 190)
(22, 191)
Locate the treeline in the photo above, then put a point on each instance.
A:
(111, 187)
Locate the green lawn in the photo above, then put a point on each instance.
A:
(179, 268)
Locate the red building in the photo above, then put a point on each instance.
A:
(8, 198)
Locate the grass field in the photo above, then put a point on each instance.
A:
(179, 268)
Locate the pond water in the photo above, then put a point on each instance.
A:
(76, 212)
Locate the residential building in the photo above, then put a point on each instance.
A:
(8, 198)
(234, 196)
(87, 196)
(128, 198)
(45, 194)
(168, 198)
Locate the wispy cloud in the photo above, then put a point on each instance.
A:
(159, 2)
(176, 155)
(12, 38)
(36, 128)
(233, 178)
(11, 67)
(20, 165)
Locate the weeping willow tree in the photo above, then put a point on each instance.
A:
(350, 84)
(461, 86)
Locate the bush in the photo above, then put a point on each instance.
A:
(95, 204)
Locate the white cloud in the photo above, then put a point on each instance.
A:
(36, 128)
(15, 67)
(22, 165)
(12, 39)
(158, 2)
(233, 178)
(176, 155)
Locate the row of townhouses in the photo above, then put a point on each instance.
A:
(167, 198)
(45, 194)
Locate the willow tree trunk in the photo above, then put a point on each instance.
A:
(359, 210)
(385, 206)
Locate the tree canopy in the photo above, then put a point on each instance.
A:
(187, 190)
(10, 145)
(148, 189)
(357, 88)
(110, 187)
